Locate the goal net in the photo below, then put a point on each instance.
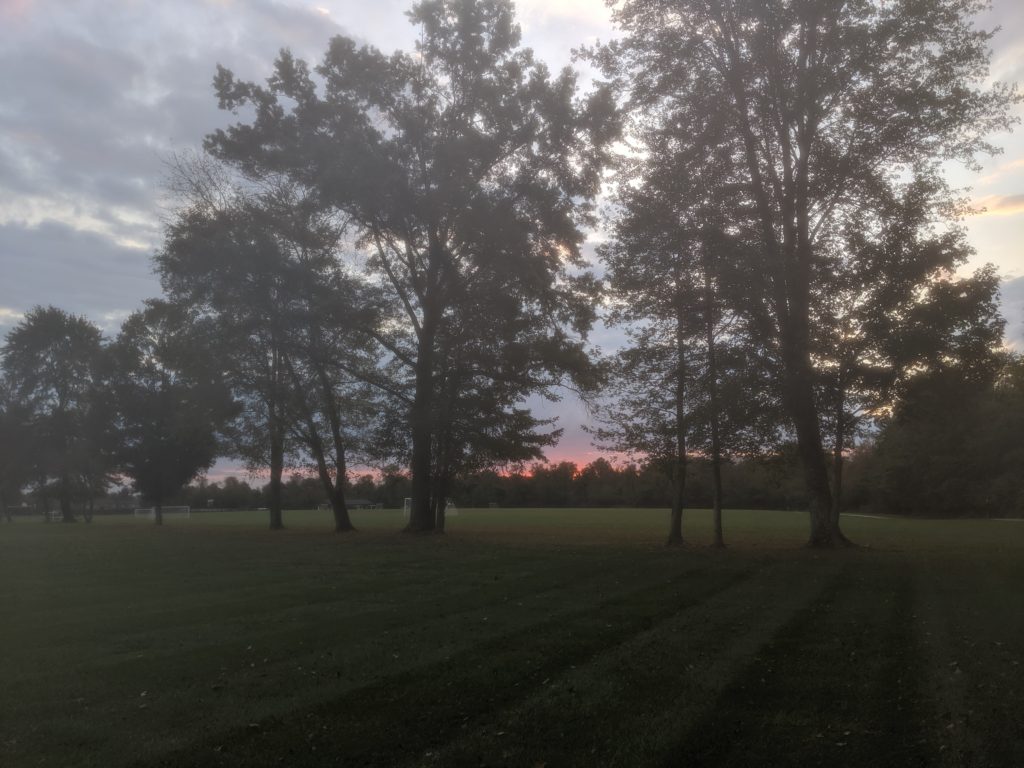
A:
(149, 513)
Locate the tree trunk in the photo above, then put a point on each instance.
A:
(89, 508)
(710, 320)
(441, 502)
(276, 473)
(342, 521)
(837, 472)
(675, 531)
(67, 515)
(421, 517)
(799, 400)
(43, 500)
(438, 506)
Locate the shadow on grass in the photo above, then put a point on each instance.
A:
(408, 714)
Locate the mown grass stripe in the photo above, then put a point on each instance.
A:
(407, 714)
(838, 686)
(624, 707)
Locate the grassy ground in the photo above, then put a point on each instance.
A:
(522, 638)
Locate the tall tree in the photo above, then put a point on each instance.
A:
(893, 310)
(222, 261)
(168, 402)
(335, 384)
(266, 261)
(51, 362)
(826, 102)
(458, 164)
(679, 233)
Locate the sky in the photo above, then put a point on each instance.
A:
(97, 94)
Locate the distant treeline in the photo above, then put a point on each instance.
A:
(768, 483)
(954, 450)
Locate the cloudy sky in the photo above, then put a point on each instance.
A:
(96, 94)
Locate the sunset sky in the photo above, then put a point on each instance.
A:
(96, 94)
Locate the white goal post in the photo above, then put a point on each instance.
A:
(149, 513)
(450, 510)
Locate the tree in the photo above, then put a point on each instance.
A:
(895, 312)
(331, 365)
(678, 238)
(952, 448)
(222, 261)
(460, 166)
(827, 102)
(265, 260)
(15, 437)
(51, 360)
(168, 403)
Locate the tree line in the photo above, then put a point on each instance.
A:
(381, 260)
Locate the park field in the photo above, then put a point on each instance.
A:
(520, 638)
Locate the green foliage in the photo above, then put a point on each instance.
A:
(168, 404)
(809, 115)
(51, 362)
(954, 448)
(464, 168)
(15, 458)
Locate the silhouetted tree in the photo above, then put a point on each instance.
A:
(826, 102)
(893, 310)
(953, 446)
(169, 403)
(460, 165)
(51, 360)
(15, 449)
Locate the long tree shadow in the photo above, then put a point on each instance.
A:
(839, 685)
(409, 714)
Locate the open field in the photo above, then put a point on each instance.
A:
(522, 638)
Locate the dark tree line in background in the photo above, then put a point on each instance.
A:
(380, 262)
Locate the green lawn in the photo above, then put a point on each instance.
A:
(521, 638)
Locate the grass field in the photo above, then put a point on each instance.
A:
(521, 638)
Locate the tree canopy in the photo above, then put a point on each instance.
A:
(464, 168)
(825, 108)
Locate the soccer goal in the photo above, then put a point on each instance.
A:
(450, 510)
(148, 513)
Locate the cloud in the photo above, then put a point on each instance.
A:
(1002, 170)
(9, 317)
(1000, 205)
(83, 272)
(96, 94)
